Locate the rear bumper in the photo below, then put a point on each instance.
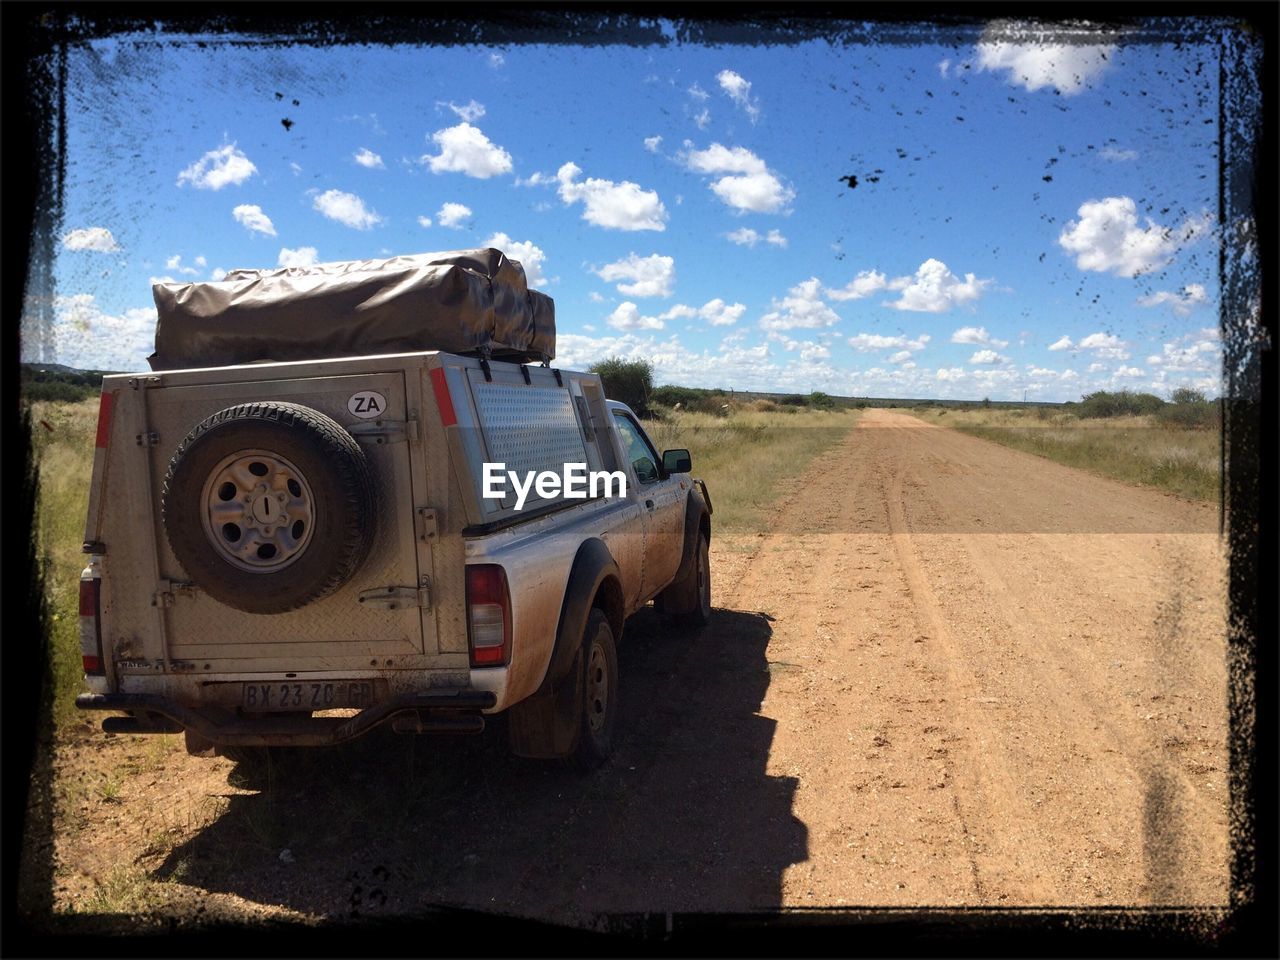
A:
(456, 711)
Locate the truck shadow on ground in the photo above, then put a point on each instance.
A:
(685, 817)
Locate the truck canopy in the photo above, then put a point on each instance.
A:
(469, 302)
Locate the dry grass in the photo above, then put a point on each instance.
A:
(744, 456)
(63, 436)
(1135, 449)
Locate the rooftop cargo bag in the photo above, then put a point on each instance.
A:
(464, 301)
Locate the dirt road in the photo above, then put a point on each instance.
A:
(950, 673)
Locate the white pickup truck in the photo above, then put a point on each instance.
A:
(292, 553)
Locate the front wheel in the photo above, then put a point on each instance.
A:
(688, 601)
(598, 712)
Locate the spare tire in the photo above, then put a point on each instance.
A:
(269, 506)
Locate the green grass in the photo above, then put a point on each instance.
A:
(63, 436)
(1141, 450)
(745, 456)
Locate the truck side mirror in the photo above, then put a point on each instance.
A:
(676, 461)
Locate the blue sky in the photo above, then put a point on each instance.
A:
(1030, 215)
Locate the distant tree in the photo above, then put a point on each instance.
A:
(1187, 395)
(986, 401)
(792, 400)
(630, 381)
(821, 401)
(1119, 403)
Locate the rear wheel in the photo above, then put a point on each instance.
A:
(598, 712)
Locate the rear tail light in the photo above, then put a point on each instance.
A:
(104, 420)
(91, 621)
(488, 615)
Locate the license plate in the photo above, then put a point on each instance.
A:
(307, 694)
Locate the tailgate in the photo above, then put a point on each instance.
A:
(381, 618)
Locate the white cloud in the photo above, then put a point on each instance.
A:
(746, 183)
(470, 111)
(987, 356)
(367, 158)
(296, 168)
(1106, 345)
(902, 356)
(1193, 352)
(627, 317)
(701, 120)
(950, 373)
(698, 93)
(1128, 372)
(809, 350)
(865, 283)
(652, 276)
(1182, 302)
(175, 263)
(1107, 238)
(97, 239)
(1062, 343)
(218, 168)
(1116, 154)
(802, 307)
(715, 312)
(944, 67)
(652, 143)
(739, 91)
(1034, 60)
(497, 60)
(719, 314)
(529, 255)
(615, 206)
(302, 257)
(86, 337)
(866, 342)
(424, 222)
(743, 237)
(977, 335)
(347, 209)
(935, 289)
(1097, 367)
(453, 215)
(250, 215)
(535, 179)
(465, 149)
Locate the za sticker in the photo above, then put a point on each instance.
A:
(367, 404)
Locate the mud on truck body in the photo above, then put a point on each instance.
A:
(294, 552)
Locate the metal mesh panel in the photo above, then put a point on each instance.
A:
(528, 428)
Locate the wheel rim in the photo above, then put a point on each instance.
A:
(258, 511)
(597, 688)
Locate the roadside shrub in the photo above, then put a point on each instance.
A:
(821, 401)
(57, 390)
(630, 381)
(670, 395)
(793, 400)
(1118, 403)
(717, 404)
(1190, 410)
